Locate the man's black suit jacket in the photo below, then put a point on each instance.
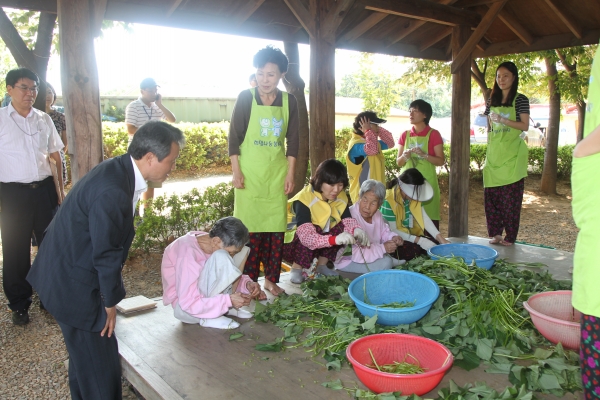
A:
(77, 271)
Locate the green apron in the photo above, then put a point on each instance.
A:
(432, 207)
(586, 213)
(262, 204)
(507, 154)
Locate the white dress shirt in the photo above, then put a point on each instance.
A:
(140, 184)
(25, 145)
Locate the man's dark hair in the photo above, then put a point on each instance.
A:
(155, 137)
(330, 172)
(14, 75)
(424, 107)
(273, 55)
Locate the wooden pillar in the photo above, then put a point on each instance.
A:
(458, 199)
(79, 77)
(322, 99)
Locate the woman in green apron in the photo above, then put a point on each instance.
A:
(423, 148)
(263, 146)
(506, 158)
(586, 213)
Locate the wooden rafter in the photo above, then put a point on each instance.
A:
(363, 27)
(302, 15)
(477, 35)
(565, 17)
(474, 3)
(514, 25)
(444, 33)
(248, 8)
(173, 7)
(33, 5)
(425, 10)
(482, 45)
(335, 16)
(413, 25)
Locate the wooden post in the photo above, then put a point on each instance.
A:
(458, 199)
(322, 100)
(81, 93)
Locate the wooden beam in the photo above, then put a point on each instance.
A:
(430, 41)
(363, 27)
(33, 5)
(565, 16)
(413, 25)
(81, 92)
(467, 49)
(474, 3)
(425, 10)
(458, 213)
(398, 49)
(335, 16)
(481, 45)
(246, 10)
(302, 15)
(173, 7)
(541, 43)
(514, 25)
(98, 11)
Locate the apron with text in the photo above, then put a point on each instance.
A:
(507, 154)
(432, 207)
(262, 204)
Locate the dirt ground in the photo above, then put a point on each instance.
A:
(31, 357)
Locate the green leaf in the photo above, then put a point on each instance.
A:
(497, 368)
(432, 330)
(335, 385)
(485, 348)
(236, 335)
(469, 360)
(276, 346)
(548, 382)
(370, 323)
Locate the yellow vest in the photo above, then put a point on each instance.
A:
(416, 209)
(321, 211)
(376, 170)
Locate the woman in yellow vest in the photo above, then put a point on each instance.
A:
(263, 146)
(403, 209)
(586, 213)
(423, 148)
(323, 222)
(364, 157)
(506, 157)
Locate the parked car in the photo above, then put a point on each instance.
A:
(479, 134)
(536, 135)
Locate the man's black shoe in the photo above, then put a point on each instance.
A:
(20, 317)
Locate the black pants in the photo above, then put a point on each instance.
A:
(94, 364)
(25, 209)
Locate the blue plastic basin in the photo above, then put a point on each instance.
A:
(483, 256)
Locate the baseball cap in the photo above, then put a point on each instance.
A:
(148, 83)
(373, 118)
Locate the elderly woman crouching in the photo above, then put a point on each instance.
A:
(202, 278)
(324, 223)
(383, 240)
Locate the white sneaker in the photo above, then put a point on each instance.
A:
(221, 322)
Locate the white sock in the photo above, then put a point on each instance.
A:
(324, 270)
(296, 275)
(239, 313)
(221, 322)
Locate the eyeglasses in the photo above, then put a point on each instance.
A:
(28, 89)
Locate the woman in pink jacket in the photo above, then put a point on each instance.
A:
(202, 278)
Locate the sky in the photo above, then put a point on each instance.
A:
(187, 63)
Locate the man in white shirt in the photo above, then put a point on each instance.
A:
(28, 196)
(148, 107)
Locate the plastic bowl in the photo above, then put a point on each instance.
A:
(390, 286)
(555, 318)
(435, 358)
(483, 256)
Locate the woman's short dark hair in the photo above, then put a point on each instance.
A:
(331, 172)
(356, 125)
(424, 107)
(14, 75)
(51, 88)
(273, 55)
(155, 137)
(496, 96)
(231, 231)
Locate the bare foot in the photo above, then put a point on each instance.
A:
(496, 239)
(505, 243)
(273, 288)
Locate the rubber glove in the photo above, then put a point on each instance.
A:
(344, 238)
(361, 237)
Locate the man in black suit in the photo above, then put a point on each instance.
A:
(77, 272)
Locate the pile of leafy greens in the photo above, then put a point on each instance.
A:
(479, 315)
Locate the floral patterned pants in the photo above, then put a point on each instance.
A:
(265, 247)
(590, 356)
(503, 209)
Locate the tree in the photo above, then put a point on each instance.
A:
(548, 183)
(6, 64)
(573, 81)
